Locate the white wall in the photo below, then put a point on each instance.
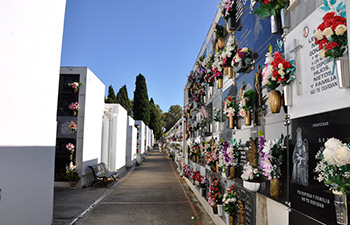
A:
(117, 118)
(147, 137)
(131, 142)
(26, 180)
(30, 45)
(94, 106)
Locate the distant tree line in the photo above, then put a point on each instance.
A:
(145, 109)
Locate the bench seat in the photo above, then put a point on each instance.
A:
(101, 173)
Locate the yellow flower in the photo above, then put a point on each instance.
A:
(319, 35)
(340, 29)
(281, 72)
(328, 32)
(245, 49)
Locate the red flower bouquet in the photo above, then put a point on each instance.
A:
(331, 36)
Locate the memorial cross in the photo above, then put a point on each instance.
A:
(295, 51)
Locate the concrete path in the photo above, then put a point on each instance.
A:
(151, 194)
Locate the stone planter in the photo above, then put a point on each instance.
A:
(251, 186)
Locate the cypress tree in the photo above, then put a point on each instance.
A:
(123, 99)
(155, 123)
(141, 107)
(111, 96)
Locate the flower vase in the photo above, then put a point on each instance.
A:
(274, 24)
(232, 172)
(221, 42)
(225, 70)
(71, 157)
(217, 166)
(230, 72)
(275, 188)
(197, 159)
(220, 209)
(74, 113)
(248, 119)
(228, 28)
(194, 158)
(215, 209)
(211, 91)
(251, 186)
(202, 191)
(213, 168)
(227, 171)
(287, 90)
(343, 73)
(231, 221)
(75, 90)
(73, 185)
(242, 67)
(341, 208)
(231, 122)
(220, 83)
(275, 100)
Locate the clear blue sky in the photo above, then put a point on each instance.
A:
(119, 39)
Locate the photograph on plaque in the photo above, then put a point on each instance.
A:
(309, 134)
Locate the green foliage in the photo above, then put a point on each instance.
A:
(172, 116)
(123, 99)
(271, 9)
(141, 107)
(155, 123)
(249, 96)
(111, 98)
(219, 31)
(72, 175)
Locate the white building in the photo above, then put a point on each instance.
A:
(31, 41)
(131, 140)
(87, 139)
(115, 126)
(141, 140)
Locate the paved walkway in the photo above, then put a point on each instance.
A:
(151, 194)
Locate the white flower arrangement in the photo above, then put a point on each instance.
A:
(218, 62)
(334, 168)
(229, 48)
(250, 173)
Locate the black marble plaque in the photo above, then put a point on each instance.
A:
(309, 133)
(62, 158)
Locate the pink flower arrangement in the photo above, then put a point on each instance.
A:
(74, 106)
(75, 85)
(226, 7)
(71, 148)
(230, 107)
(250, 173)
(73, 126)
(270, 157)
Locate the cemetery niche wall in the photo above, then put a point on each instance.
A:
(272, 115)
(79, 123)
